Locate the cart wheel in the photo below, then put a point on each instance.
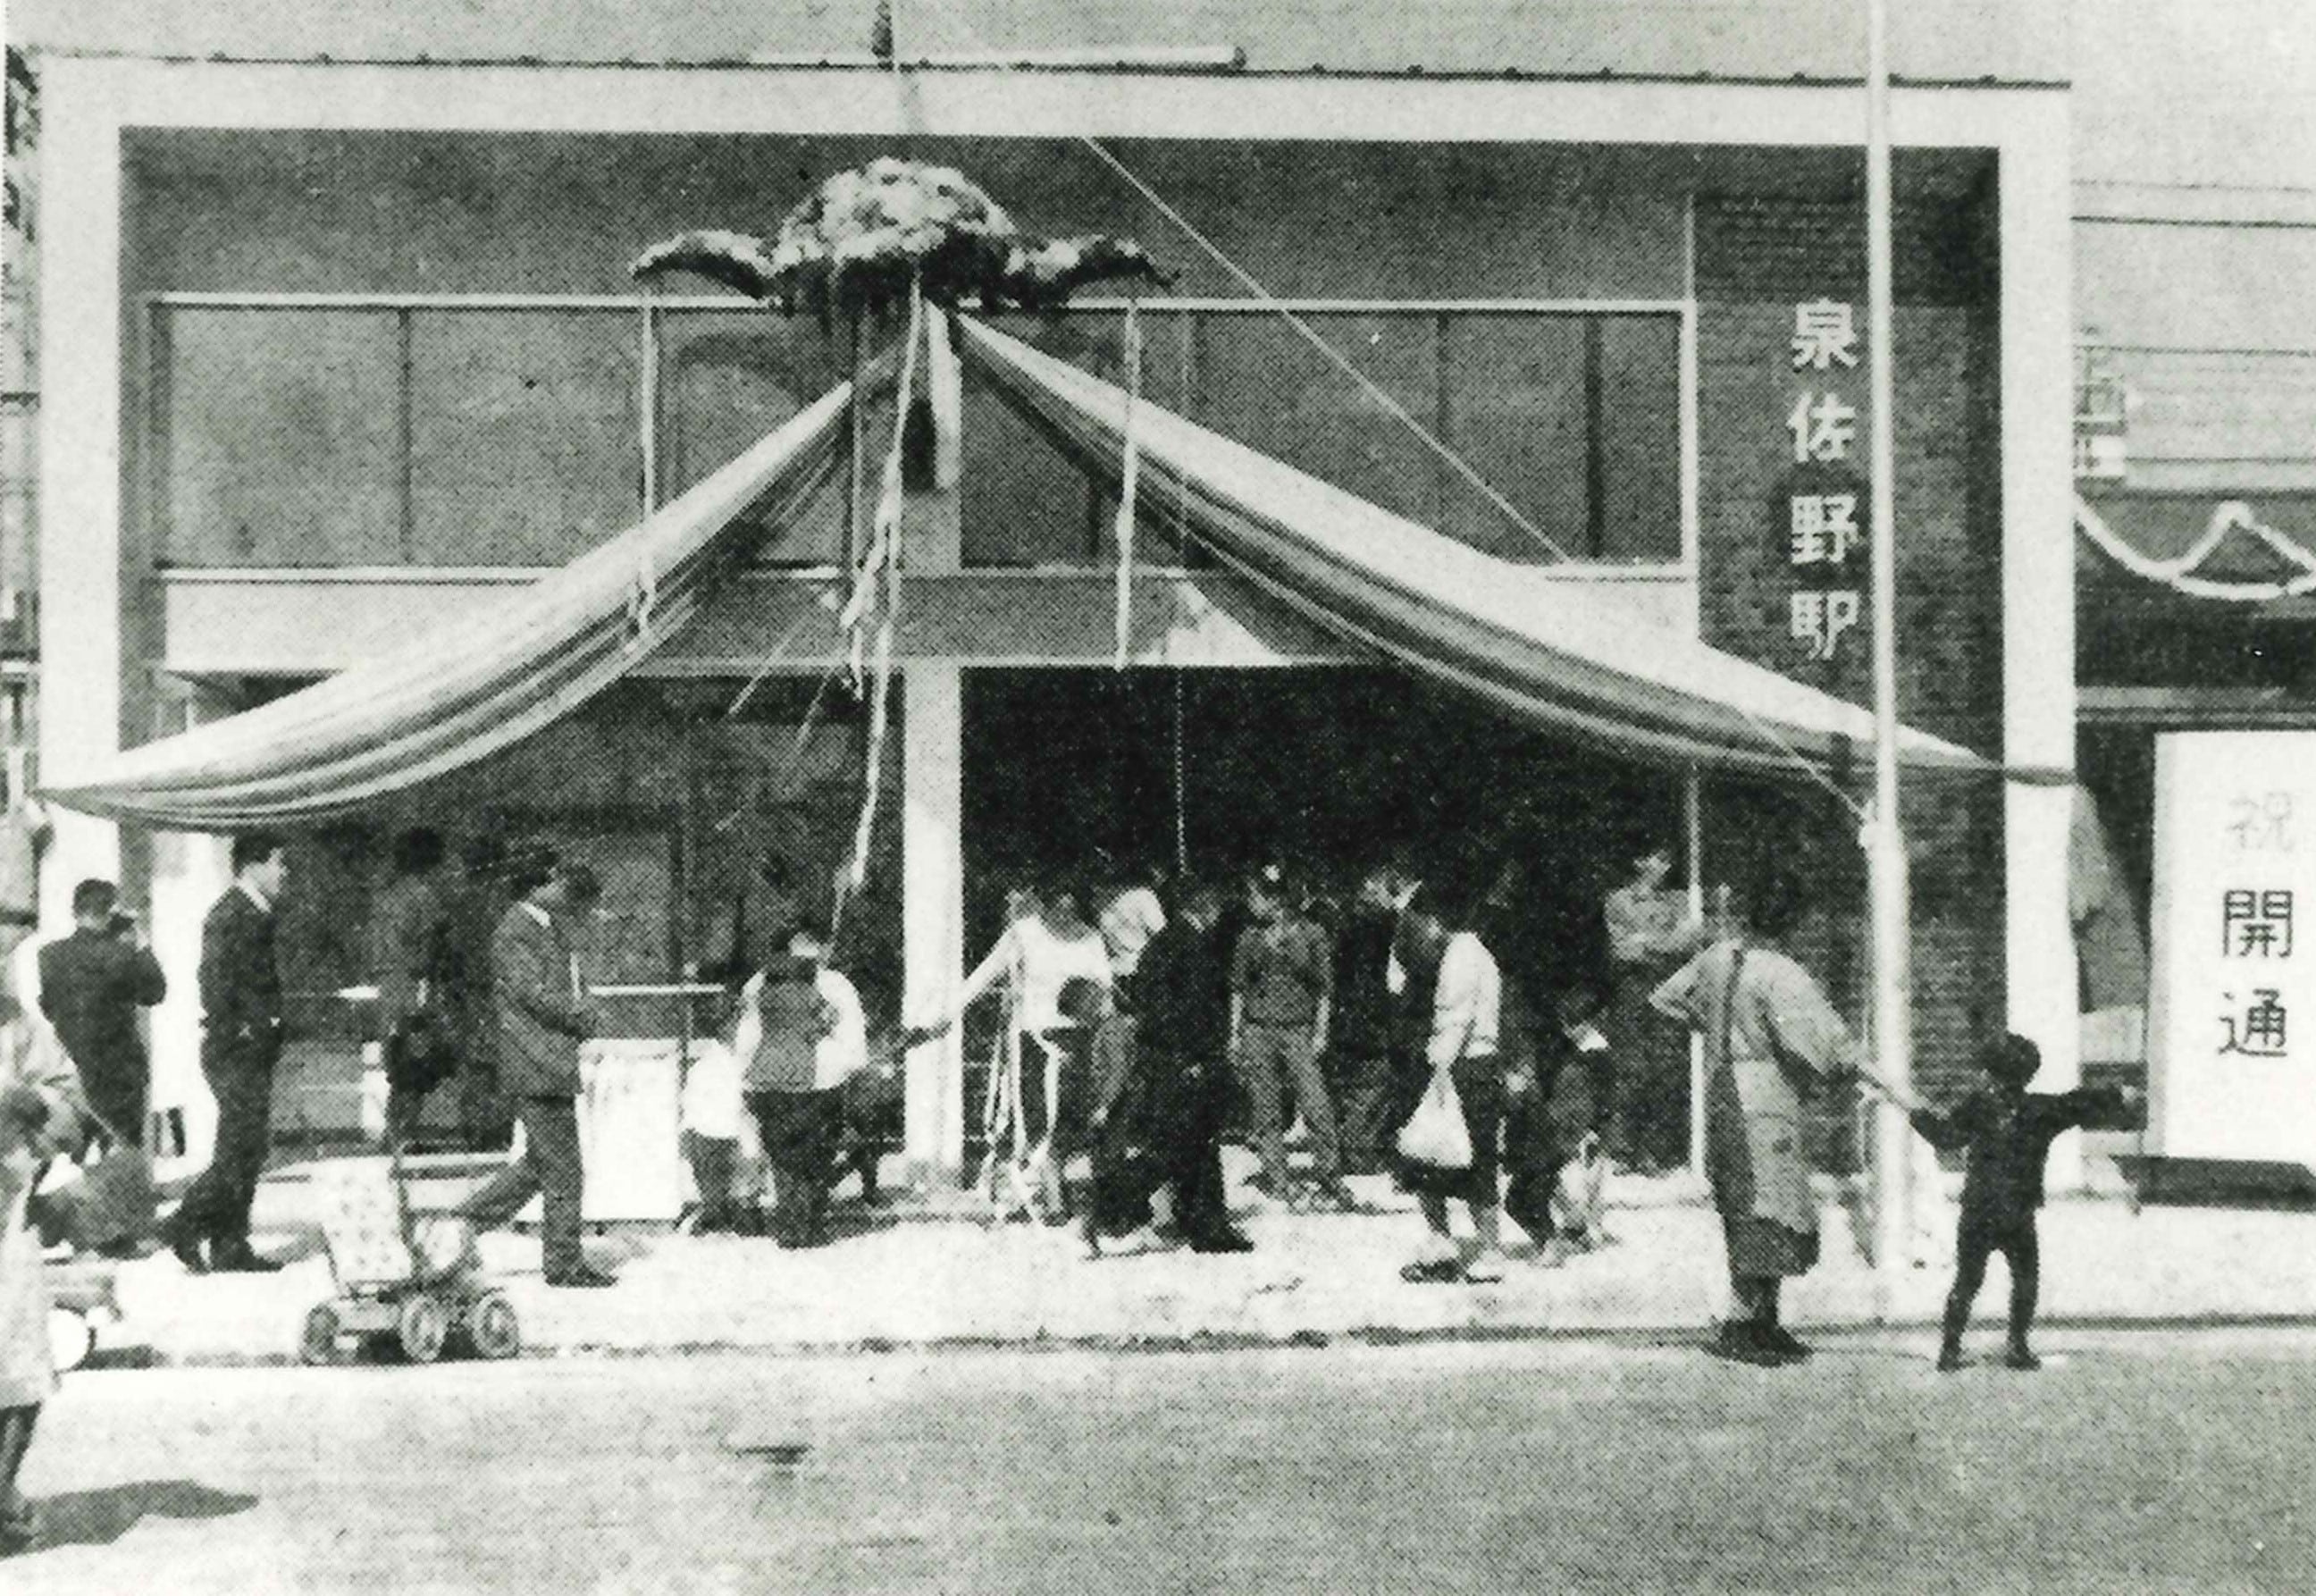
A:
(423, 1325)
(492, 1327)
(72, 1337)
(319, 1343)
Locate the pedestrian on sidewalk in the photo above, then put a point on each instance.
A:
(1282, 995)
(1651, 933)
(1772, 1045)
(412, 950)
(802, 1035)
(543, 1015)
(1165, 1128)
(2008, 1131)
(42, 1114)
(479, 900)
(1133, 914)
(93, 985)
(712, 1110)
(1465, 1043)
(241, 1046)
(1557, 1103)
(1359, 1032)
(1056, 973)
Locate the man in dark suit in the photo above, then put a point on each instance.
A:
(92, 984)
(1181, 997)
(541, 1016)
(241, 1043)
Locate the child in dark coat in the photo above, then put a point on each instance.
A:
(1560, 1095)
(2008, 1131)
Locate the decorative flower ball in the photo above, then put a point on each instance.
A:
(853, 248)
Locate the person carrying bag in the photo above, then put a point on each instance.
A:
(1448, 1146)
(1435, 1136)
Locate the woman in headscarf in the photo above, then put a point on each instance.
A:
(1772, 1045)
(41, 1113)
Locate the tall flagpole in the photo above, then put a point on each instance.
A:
(1885, 843)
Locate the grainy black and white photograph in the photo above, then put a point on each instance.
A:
(1158, 796)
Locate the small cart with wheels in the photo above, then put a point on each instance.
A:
(413, 1282)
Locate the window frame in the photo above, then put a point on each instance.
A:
(650, 312)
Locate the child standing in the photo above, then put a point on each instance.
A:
(711, 1134)
(2008, 1131)
(1559, 1099)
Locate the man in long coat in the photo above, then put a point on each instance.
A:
(542, 1016)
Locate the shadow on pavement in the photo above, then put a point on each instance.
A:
(99, 1517)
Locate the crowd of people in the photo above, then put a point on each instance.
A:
(1179, 1015)
(1134, 1041)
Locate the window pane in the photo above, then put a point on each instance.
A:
(1025, 503)
(524, 445)
(1640, 439)
(1258, 382)
(728, 378)
(282, 445)
(1516, 401)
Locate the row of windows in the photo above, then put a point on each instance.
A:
(457, 436)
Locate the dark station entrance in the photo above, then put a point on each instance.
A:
(1326, 770)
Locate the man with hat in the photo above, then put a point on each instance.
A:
(540, 1016)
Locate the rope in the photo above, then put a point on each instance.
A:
(1263, 296)
(1454, 461)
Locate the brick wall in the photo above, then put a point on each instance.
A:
(1757, 258)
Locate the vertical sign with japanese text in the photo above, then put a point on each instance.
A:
(2232, 1022)
(1819, 529)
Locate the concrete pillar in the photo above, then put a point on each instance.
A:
(932, 912)
(81, 650)
(190, 872)
(2038, 602)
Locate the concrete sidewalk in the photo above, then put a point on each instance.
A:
(917, 1277)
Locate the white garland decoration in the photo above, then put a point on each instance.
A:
(2227, 518)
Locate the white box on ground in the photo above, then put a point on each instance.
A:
(2231, 1024)
(631, 1128)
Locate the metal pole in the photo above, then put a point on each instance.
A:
(1885, 843)
(648, 406)
(1692, 814)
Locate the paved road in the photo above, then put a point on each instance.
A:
(2137, 1462)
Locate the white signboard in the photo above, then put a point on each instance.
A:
(2232, 1022)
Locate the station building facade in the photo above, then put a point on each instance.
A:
(336, 352)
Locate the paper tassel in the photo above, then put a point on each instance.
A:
(1128, 471)
(641, 601)
(885, 526)
(945, 392)
(880, 575)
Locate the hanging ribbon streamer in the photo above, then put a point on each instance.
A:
(945, 392)
(880, 578)
(1129, 471)
(641, 602)
(885, 524)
